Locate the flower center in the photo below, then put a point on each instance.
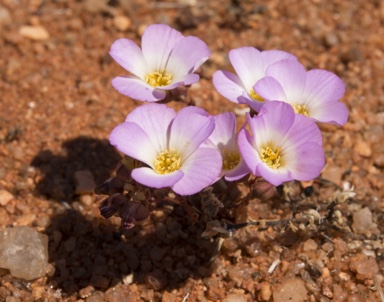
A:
(230, 159)
(167, 162)
(255, 96)
(271, 156)
(158, 78)
(301, 109)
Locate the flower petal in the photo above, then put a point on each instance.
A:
(129, 56)
(333, 113)
(274, 176)
(249, 154)
(238, 172)
(306, 161)
(150, 178)
(157, 43)
(302, 131)
(248, 64)
(130, 139)
(200, 169)
(274, 121)
(322, 92)
(270, 89)
(187, 55)
(190, 128)
(272, 56)
(137, 89)
(323, 86)
(229, 86)
(291, 75)
(225, 130)
(155, 120)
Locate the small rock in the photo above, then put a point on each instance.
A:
(86, 292)
(235, 298)
(156, 280)
(363, 148)
(24, 252)
(99, 281)
(97, 296)
(122, 23)
(309, 245)
(292, 290)
(95, 6)
(331, 39)
(26, 219)
(5, 17)
(333, 174)
(362, 221)
(85, 182)
(37, 32)
(5, 197)
(366, 268)
(70, 244)
(265, 291)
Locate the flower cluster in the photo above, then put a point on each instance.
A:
(190, 150)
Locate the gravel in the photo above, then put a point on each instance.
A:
(58, 108)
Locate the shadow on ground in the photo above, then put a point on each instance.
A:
(90, 250)
(82, 153)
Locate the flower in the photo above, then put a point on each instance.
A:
(165, 61)
(250, 65)
(283, 146)
(225, 139)
(170, 144)
(313, 93)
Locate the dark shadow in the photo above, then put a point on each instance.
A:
(82, 153)
(89, 250)
(95, 252)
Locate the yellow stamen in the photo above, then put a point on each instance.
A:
(271, 156)
(230, 159)
(255, 96)
(167, 162)
(301, 109)
(158, 78)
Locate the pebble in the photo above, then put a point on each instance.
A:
(331, 39)
(97, 296)
(363, 148)
(235, 298)
(309, 245)
(122, 23)
(99, 281)
(156, 280)
(26, 219)
(5, 197)
(265, 291)
(87, 291)
(292, 290)
(24, 252)
(362, 221)
(85, 182)
(333, 174)
(5, 17)
(367, 268)
(36, 33)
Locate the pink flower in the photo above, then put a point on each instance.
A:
(224, 138)
(250, 65)
(165, 61)
(170, 144)
(282, 146)
(315, 93)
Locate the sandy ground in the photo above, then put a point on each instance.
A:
(58, 107)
